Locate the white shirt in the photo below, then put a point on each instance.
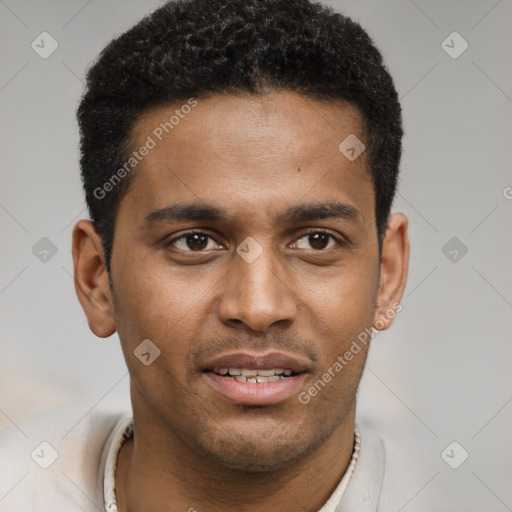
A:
(63, 461)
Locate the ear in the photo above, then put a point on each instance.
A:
(393, 271)
(91, 279)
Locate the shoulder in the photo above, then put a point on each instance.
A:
(392, 467)
(409, 467)
(54, 460)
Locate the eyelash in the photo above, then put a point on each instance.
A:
(313, 231)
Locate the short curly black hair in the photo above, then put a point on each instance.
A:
(194, 48)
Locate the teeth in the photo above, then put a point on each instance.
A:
(254, 373)
(266, 373)
(272, 378)
(250, 375)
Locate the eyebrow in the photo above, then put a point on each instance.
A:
(207, 212)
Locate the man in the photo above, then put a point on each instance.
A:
(239, 160)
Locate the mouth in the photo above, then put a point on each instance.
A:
(255, 376)
(256, 379)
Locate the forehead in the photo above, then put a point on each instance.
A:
(243, 151)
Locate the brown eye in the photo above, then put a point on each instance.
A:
(191, 242)
(197, 241)
(317, 240)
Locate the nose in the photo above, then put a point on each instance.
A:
(255, 297)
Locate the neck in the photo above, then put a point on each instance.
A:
(155, 468)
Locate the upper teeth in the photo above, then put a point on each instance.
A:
(254, 373)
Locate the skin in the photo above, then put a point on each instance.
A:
(255, 157)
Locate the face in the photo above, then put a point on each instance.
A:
(248, 241)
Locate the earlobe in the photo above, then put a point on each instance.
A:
(91, 279)
(393, 271)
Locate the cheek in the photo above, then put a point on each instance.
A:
(150, 320)
(145, 310)
(169, 308)
(154, 298)
(342, 305)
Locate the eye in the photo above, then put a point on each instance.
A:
(198, 241)
(317, 240)
(193, 241)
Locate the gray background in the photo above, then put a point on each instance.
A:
(441, 374)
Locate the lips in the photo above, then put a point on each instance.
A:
(255, 378)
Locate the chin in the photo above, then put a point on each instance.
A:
(255, 458)
(259, 449)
